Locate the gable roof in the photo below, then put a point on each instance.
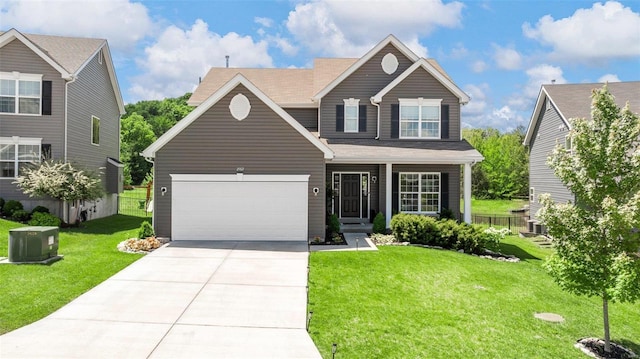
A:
(238, 79)
(574, 100)
(68, 55)
(361, 61)
(430, 67)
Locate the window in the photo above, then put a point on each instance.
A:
(20, 93)
(351, 115)
(16, 153)
(419, 118)
(568, 144)
(532, 194)
(420, 192)
(95, 130)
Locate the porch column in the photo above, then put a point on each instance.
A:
(467, 192)
(388, 193)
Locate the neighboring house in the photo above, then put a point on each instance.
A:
(269, 152)
(59, 99)
(549, 126)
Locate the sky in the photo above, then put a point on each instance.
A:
(498, 52)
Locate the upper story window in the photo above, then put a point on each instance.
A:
(16, 153)
(420, 118)
(95, 130)
(351, 117)
(20, 93)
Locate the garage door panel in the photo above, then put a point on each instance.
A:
(240, 210)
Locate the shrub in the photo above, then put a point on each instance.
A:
(334, 224)
(20, 215)
(379, 223)
(1, 204)
(40, 209)
(494, 236)
(10, 207)
(446, 213)
(413, 228)
(44, 219)
(447, 233)
(146, 230)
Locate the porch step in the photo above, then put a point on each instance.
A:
(356, 227)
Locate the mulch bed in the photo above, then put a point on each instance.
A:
(594, 347)
(331, 241)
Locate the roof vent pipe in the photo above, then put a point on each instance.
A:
(227, 58)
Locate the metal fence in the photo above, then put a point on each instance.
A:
(515, 223)
(133, 206)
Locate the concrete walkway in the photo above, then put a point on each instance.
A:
(185, 300)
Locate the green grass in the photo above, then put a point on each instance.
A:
(29, 292)
(133, 202)
(409, 302)
(495, 206)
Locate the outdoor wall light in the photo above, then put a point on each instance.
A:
(374, 179)
(316, 190)
(163, 190)
(240, 170)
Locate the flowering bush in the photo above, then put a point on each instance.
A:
(495, 236)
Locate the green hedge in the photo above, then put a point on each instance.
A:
(449, 234)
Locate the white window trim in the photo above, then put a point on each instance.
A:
(420, 191)
(18, 76)
(568, 143)
(351, 102)
(17, 141)
(91, 125)
(100, 57)
(420, 102)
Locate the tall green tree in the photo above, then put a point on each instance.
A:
(135, 135)
(596, 239)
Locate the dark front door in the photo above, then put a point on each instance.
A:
(350, 196)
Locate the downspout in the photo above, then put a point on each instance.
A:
(65, 207)
(319, 110)
(378, 120)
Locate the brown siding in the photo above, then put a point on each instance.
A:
(15, 56)
(365, 82)
(420, 84)
(216, 143)
(454, 181)
(373, 171)
(308, 117)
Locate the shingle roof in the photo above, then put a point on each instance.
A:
(68, 52)
(574, 100)
(394, 151)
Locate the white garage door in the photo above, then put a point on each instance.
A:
(239, 207)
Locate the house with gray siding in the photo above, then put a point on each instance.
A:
(549, 126)
(60, 100)
(268, 153)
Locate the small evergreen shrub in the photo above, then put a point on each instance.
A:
(446, 213)
(414, 228)
(20, 215)
(10, 207)
(334, 224)
(39, 209)
(1, 204)
(379, 223)
(146, 230)
(44, 219)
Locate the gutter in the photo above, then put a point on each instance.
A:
(378, 120)
(71, 79)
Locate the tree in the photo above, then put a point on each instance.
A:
(135, 135)
(597, 239)
(61, 181)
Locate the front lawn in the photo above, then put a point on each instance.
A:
(409, 302)
(30, 292)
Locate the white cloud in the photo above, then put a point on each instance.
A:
(480, 113)
(350, 28)
(283, 44)
(459, 52)
(541, 75)
(122, 22)
(506, 58)
(478, 103)
(264, 21)
(602, 32)
(174, 62)
(479, 66)
(609, 78)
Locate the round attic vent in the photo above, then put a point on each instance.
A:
(389, 63)
(239, 107)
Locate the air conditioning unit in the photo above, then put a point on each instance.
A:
(33, 244)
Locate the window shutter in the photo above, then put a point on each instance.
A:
(45, 149)
(395, 194)
(444, 190)
(339, 118)
(46, 97)
(444, 121)
(362, 118)
(395, 120)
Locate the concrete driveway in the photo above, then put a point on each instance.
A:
(185, 300)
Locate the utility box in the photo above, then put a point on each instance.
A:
(33, 244)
